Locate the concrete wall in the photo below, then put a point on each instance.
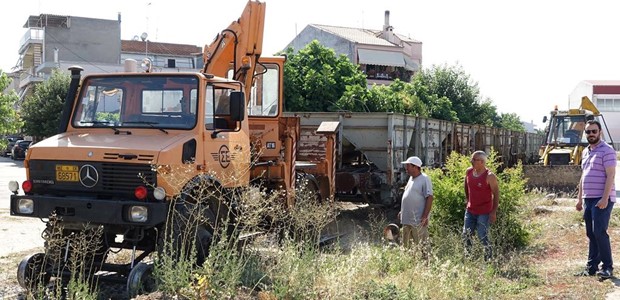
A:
(89, 40)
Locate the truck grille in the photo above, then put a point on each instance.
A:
(115, 180)
(125, 176)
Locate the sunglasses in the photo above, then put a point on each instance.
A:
(595, 131)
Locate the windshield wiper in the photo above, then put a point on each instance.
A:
(116, 131)
(152, 124)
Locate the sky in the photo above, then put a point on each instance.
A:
(526, 56)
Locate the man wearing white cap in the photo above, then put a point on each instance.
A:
(416, 203)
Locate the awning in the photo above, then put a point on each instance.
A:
(411, 65)
(381, 58)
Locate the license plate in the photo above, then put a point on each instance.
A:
(67, 173)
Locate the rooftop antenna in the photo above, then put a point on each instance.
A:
(148, 11)
(143, 36)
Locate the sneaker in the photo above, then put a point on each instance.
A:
(585, 273)
(605, 273)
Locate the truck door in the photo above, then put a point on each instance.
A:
(227, 145)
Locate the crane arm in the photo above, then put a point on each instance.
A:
(239, 45)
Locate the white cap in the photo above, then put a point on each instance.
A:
(414, 160)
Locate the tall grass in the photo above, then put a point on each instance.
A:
(288, 264)
(285, 261)
(73, 252)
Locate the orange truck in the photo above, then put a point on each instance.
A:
(122, 136)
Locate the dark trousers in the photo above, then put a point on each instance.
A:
(597, 221)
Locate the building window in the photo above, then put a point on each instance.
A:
(608, 104)
(171, 63)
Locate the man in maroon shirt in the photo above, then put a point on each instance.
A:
(482, 193)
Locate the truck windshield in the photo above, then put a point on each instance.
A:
(148, 101)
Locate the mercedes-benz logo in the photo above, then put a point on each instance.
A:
(88, 176)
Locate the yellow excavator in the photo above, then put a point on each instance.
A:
(564, 138)
(559, 167)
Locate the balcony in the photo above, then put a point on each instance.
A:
(32, 36)
(380, 74)
(28, 77)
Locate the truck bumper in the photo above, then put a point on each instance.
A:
(94, 211)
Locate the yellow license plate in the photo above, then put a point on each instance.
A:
(67, 173)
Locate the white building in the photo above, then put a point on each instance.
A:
(605, 94)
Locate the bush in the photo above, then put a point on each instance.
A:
(508, 232)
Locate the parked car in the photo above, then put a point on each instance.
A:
(19, 149)
(11, 142)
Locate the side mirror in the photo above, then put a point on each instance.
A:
(545, 119)
(237, 106)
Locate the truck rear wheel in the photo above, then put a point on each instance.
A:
(308, 188)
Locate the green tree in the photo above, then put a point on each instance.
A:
(399, 97)
(455, 85)
(9, 118)
(315, 78)
(486, 113)
(438, 107)
(41, 111)
(511, 121)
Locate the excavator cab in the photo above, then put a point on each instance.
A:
(567, 130)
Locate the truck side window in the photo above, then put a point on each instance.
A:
(209, 108)
(222, 102)
(265, 93)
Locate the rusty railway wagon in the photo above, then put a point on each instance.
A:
(370, 147)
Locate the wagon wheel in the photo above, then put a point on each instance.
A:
(140, 280)
(32, 272)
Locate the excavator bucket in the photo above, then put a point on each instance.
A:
(560, 178)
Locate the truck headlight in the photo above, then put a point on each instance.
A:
(159, 193)
(138, 214)
(13, 186)
(25, 206)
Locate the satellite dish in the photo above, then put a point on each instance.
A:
(143, 36)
